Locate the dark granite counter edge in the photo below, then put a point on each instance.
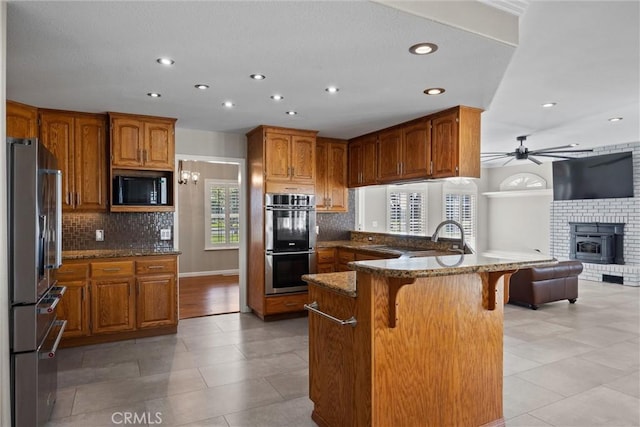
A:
(446, 270)
(341, 282)
(115, 253)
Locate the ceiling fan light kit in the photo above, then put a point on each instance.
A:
(523, 153)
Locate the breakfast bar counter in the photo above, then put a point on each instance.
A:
(410, 342)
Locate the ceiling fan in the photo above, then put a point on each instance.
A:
(523, 153)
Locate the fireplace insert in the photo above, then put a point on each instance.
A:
(597, 242)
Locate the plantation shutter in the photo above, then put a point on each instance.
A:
(406, 212)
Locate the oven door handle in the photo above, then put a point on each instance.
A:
(291, 209)
(52, 353)
(269, 253)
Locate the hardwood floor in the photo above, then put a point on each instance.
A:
(207, 295)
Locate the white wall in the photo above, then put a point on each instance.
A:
(516, 224)
(5, 411)
(205, 143)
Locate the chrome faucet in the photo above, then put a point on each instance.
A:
(434, 237)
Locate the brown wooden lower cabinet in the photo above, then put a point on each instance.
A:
(117, 298)
(286, 303)
(326, 260)
(112, 305)
(74, 306)
(156, 301)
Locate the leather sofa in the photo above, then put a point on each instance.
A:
(538, 285)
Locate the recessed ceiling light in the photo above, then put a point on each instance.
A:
(154, 95)
(332, 89)
(277, 97)
(165, 61)
(201, 86)
(258, 76)
(548, 104)
(615, 119)
(291, 113)
(227, 104)
(434, 91)
(423, 48)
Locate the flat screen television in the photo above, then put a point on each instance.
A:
(597, 177)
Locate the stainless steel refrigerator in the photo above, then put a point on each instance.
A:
(35, 248)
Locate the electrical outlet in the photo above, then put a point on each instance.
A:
(99, 235)
(165, 234)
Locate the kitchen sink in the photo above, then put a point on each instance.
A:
(420, 253)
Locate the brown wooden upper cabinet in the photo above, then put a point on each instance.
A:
(331, 175)
(142, 142)
(441, 145)
(363, 160)
(78, 141)
(22, 120)
(455, 142)
(405, 151)
(290, 157)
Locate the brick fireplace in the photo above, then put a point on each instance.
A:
(597, 243)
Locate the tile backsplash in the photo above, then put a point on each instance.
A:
(337, 226)
(122, 230)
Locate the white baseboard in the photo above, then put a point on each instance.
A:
(232, 272)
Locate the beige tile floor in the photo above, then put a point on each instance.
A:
(564, 365)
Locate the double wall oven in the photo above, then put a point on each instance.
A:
(34, 250)
(290, 240)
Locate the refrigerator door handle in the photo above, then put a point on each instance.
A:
(57, 231)
(58, 235)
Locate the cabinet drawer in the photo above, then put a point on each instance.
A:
(325, 256)
(112, 269)
(346, 256)
(71, 272)
(326, 268)
(151, 266)
(367, 256)
(286, 303)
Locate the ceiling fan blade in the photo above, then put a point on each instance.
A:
(493, 153)
(553, 155)
(586, 150)
(534, 160)
(560, 147)
(507, 162)
(490, 159)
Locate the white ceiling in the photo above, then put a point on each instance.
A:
(100, 56)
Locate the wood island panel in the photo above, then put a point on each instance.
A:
(436, 362)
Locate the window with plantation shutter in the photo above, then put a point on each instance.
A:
(460, 207)
(221, 214)
(406, 211)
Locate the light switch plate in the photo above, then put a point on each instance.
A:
(165, 234)
(99, 235)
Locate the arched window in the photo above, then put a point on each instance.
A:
(523, 181)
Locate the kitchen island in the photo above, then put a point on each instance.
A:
(410, 342)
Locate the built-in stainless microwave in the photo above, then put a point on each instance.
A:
(139, 190)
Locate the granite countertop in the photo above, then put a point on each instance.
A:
(446, 265)
(390, 249)
(432, 266)
(116, 253)
(343, 282)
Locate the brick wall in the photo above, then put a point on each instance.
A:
(625, 210)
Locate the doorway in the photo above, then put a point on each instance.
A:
(209, 223)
